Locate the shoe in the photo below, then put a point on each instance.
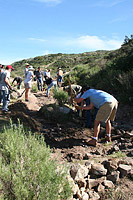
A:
(5, 111)
(27, 100)
(107, 138)
(92, 142)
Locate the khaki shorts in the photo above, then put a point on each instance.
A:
(107, 111)
(27, 85)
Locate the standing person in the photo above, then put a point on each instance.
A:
(2, 67)
(28, 82)
(1, 71)
(5, 87)
(39, 75)
(19, 82)
(52, 82)
(107, 106)
(59, 77)
(26, 68)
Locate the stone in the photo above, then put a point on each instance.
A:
(98, 170)
(111, 165)
(101, 188)
(131, 174)
(81, 183)
(64, 110)
(93, 195)
(84, 196)
(108, 184)
(114, 176)
(124, 169)
(87, 156)
(74, 186)
(88, 164)
(92, 183)
(78, 172)
(128, 134)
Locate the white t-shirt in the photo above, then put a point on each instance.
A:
(28, 77)
(48, 74)
(5, 74)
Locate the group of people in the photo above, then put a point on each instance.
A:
(105, 104)
(42, 79)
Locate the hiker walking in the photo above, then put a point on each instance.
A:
(5, 87)
(59, 77)
(18, 81)
(39, 75)
(28, 82)
(107, 106)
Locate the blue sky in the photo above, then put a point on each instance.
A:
(30, 28)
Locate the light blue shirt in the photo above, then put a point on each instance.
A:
(98, 97)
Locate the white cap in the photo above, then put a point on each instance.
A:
(30, 68)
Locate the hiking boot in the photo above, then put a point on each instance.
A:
(107, 138)
(92, 142)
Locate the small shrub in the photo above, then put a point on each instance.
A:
(34, 88)
(26, 171)
(61, 96)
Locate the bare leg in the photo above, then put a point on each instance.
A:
(93, 142)
(27, 93)
(108, 127)
(108, 131)
(96, 128)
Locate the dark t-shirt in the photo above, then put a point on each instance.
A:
(17, 79)
(39, 74)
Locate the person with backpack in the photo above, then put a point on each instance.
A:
(5, 87)
(52, 82)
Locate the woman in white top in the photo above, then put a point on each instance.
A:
(28, 81)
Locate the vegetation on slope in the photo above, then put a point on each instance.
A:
(111, 71)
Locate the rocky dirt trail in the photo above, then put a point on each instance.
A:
(67, 140)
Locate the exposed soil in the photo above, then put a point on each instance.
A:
(67, 140)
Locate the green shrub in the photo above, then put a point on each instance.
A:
(26, 171)
(61, 96)
(34, 88)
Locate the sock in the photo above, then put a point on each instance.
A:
(95, 138)
(109, 135)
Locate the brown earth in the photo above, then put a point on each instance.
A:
(67, 140)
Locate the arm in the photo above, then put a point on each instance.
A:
(91, 106)
(78, 100)
(13, 80)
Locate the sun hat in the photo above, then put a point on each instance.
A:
(30, 68)
(9, 67)
(27, 64)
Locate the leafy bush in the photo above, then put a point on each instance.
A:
(61, 96)
(26, 171)
(34, 88)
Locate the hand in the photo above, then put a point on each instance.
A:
(11, 88)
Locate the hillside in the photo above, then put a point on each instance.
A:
(111, 71)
